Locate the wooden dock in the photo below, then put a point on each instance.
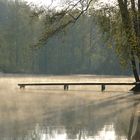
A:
(67, 84)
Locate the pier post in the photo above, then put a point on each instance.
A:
(103, 87)
(22, 86)
(66, 87)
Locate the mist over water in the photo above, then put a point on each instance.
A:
(50, 113)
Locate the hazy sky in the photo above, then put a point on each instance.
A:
(57, 2)
(43, 2)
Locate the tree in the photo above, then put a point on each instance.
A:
(129, 11)
(17, 34)
(129, 30)
(69, 52)
(131, 23)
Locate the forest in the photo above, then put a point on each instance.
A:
(80, 48)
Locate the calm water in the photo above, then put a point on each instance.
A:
(83, 113)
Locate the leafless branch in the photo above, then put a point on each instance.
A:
(84, 10)
(59, 24)
(48, 7)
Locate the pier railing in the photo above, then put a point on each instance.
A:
(67, 84)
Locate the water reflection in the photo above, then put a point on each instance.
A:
(112, 119)
(134, 127)
(107, 133)
(39, 115)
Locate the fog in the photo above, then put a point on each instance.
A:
(49, 112)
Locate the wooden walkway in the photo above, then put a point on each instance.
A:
(67, 84)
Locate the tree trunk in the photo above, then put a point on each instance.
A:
(134, 67)
(136, 76)
(138, 22)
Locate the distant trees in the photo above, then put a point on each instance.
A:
(81, 49)
(78, 48)
(17, 35)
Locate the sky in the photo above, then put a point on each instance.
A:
(56, 2)
(43, 2)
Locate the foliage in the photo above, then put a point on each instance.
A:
(79, 48)
(17, 34)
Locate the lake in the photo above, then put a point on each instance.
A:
(82, 113)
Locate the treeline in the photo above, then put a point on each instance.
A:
(80, 48)
(17, 35)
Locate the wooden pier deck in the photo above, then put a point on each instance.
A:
(67, 84)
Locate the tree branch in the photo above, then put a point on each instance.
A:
(84, 10)
(134, 16)
(59, 24)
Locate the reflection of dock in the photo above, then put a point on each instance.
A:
(66, 85)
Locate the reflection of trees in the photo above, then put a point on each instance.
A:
(136, 134)
(80, 122)
(84, 121)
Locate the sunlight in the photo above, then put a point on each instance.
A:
(107, 133)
